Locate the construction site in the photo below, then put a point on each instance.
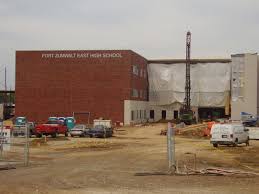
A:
(112, 121)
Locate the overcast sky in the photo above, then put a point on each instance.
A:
(153, 28)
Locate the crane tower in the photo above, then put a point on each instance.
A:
(186, 114)
(187, 100)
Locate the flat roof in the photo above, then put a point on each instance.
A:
(193, 61)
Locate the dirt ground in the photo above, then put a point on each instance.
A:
(90, 165)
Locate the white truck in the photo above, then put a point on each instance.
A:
(106, 123)
(229, 134)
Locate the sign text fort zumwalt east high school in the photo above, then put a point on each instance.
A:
(80, 55)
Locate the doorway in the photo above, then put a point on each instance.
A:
(176, 114)
(152, 114)
(164, 114)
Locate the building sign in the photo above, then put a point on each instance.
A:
(5, 139)
(80, 55)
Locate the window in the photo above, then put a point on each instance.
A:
(134, 93)
(132, 115)
(145, 114)
(140, 114)
(141, 72)
(152, 114)
(140, 93)
(144, 94)
(137, 114)
(135, 70)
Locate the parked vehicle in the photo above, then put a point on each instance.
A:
(229, 134)
(19, 127)
(53, 119)
(52, 128)
(61, 119)
(248, 120)
(79, 130)
(100, 131)
(106, 123)
(20, 121)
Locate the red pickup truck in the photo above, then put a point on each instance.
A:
(52, 128)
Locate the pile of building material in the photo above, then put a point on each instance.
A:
(190, 130)
(193, 130)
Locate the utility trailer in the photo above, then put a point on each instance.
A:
(106, 123)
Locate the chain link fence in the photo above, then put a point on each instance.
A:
(14, 146)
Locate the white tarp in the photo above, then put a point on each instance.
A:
(210, 84)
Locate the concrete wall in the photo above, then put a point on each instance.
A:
(139, 108)
(142, 106)
(169, 111)
(249, 102)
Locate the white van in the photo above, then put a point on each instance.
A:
(229, 134)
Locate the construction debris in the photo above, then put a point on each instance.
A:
(205, 172)
(218, 172)
(7, 168)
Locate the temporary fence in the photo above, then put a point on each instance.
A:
(14, 146)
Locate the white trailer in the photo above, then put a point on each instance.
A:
(106, 123)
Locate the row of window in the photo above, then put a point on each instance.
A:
(138, 114)
(142, 114)
(3, 134)
(139, 93)
(138, 71)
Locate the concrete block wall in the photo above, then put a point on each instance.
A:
(138, 108)
(249, 102)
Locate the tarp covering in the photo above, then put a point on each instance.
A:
(210, 84)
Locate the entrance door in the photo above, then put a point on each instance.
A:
(152, 114)
(164, 114)
(176, 114)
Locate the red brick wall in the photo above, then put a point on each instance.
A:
(137, 81)
(48, 84)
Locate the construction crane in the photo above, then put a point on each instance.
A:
(186, 114)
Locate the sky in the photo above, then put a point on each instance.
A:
(153, 28)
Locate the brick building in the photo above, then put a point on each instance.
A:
(88, 83)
